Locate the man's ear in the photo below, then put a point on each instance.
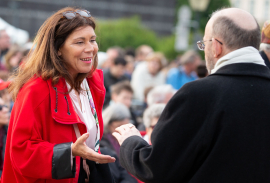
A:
(217, 48)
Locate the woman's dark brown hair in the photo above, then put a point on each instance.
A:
(44, 61)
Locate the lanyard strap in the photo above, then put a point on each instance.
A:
(94, 112)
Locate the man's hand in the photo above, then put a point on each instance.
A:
(125, 131)
(79, 148)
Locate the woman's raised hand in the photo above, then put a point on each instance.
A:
(79, 148)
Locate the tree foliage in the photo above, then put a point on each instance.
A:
(130, 32)
(212, 7)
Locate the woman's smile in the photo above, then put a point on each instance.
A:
(86, 60)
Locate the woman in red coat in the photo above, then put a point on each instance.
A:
(56, 121)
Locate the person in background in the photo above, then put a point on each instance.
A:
(142, 52)
(4, 119)
(112, 54)
(5, 95)
(13, 58)
(150, 118)
(155, 95)
(160, 94)
(113, 75)
(5, 42)
(201, 71)
(102, 57)
(265, 43)
(4, 47)
(130, 66)
(114, 116)
(147, 74)
(185, 73)
(122, 93)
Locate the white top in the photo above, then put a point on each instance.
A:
(85, 114)
(141, 79)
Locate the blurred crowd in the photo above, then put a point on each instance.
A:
(138, 82)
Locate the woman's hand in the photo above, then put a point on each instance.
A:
(79, 148)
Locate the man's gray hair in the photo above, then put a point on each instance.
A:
(114, 112)
(153, 111)
(158, 94)
(233, 36)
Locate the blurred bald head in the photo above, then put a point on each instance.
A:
(235, 27)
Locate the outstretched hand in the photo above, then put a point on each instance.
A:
(79, 148)
(125, 131)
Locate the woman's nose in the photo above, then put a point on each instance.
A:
(89, 47)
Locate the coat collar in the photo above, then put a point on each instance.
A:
(61, 105)
(244, 69)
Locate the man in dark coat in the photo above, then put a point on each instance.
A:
(216, 129)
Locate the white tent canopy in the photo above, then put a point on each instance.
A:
(17, 36)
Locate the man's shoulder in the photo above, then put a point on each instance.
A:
(203, 83)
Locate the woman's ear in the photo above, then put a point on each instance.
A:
(59, 53)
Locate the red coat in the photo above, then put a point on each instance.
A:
(35, 128)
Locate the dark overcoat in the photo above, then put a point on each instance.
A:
(214, 130)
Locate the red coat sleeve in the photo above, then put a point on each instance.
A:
(30, 155)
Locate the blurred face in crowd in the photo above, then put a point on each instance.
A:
(4, 114)
(4, 40)
(153, 66)
(111, 54)
(144, 52)
(79, 50)
(14, 60)
(116, 124)
(117, 70)
(190, 67)
(152, 126)
(124, 97)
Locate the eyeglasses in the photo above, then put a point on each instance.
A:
(71, 14)
(201, 44)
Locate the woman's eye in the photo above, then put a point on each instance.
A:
(80, 42)
(93, 40)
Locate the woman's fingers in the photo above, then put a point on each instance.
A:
(99, 158)
(83, 138)
(80, 149)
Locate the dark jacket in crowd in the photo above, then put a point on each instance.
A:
(214, 130)
(120, 175)
(110, 80)
(265, 58)
(3, 138)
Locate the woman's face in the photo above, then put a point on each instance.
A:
(153, 66)
(79, 50)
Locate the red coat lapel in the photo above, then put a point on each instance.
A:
(61, 105)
